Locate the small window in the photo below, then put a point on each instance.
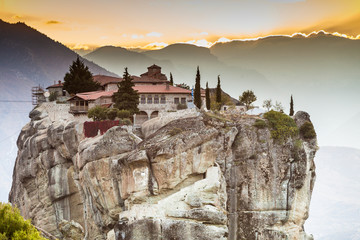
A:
(82, 103)
(183, 100)
(176, 100)
(143, 99)
(86, 103)
(77, 103)
(64, 93)
(156, 99)
(149, 99)
(163, 99)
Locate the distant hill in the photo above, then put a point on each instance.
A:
(27, 58)
(321, 71)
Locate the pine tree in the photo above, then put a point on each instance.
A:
(197, 91)
(171, 80)
(126, 98)
(218, 91)
(291, 106)
(207, 95)
(79, 78)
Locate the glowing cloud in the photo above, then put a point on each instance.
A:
(155, 45)
(154, 34)
(52, 22)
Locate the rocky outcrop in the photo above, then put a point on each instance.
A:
(198, 177)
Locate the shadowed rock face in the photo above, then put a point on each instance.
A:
(213, 179)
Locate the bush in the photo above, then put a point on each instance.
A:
(181, 106)
(112, 113)
(259, 123)
(123, 114)
(53, 96)
(97, 113)
(126, 121)
(175, 131)
(13, 225)
(307, 130)
(282, 126)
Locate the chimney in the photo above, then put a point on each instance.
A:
(59, 81)
(167, 86)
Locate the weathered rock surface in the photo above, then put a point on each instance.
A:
(213, 179)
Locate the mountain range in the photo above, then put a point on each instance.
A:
(320, 71)
(28, 58)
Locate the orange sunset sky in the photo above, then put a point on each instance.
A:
(138, 23)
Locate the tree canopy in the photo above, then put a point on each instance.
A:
(197, 91)
(291, 106)
(13, 226)
(207, 96)
(126, 98)
(247, 98)
(79, 78)
(218, 91)
(171, 80)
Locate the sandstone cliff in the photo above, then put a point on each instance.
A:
(198, 177)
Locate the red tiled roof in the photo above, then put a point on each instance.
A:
(56, 85)
(89, 96)
(103, 80)
(160, 89)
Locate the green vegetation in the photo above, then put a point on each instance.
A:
(247, 98)
(197, 91)
(282, 126)
(183, 85)
(79, 79)
(278, 107)
(171, 80)
(291, 106)
(53, 96)
(112, 113)
(126, 98)
(14, 227)
(260, 124)
(123, 114)
(181, 106)
(267, 104)
(97, 113)
(225, 100)
(207, 97)
(175, 131)
(218, 91)
(307, 130)
(125, 121)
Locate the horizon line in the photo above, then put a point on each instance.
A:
(206, 44)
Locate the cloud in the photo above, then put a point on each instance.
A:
(204, 33)
(200, 43)
(155, 45)
(154, 34)
(52, 22)
(135, 36)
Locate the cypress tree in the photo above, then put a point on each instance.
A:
(126, 98)
(79, 78)
(291, 106)
(171, 80)
(218, 91)
(207, 94)
(197, 91)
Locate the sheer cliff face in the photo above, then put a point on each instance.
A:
(193, 178)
